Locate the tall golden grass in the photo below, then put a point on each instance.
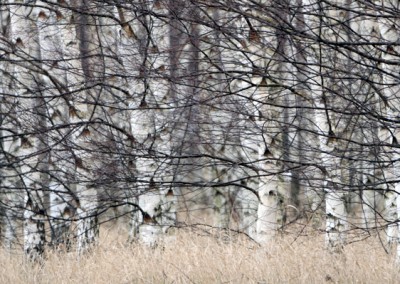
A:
(193, 257)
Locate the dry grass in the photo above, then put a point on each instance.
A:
(192, 258)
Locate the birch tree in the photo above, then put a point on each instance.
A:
(9, 139)
(388, 133)
(85, 109)
(31, 152)
(252, 115)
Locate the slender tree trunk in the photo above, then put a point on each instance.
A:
(389, 134)
(336, 214)
(365, 168)
(10, 195)
(59, 168)
(306, 141)
(32, 151)
(154, 199)
(328, 176)
(273, 184)
(85, 109)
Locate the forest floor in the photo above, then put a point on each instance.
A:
(198, 257)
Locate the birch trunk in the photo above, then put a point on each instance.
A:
(268, 52)
(325, 142)
(308, 176)
(31, 120)
(129, 46)
(154, 197)
(53, 63)
(84, 111)
(336, 214)
(10, 194)
(389, 134)
(367, 169)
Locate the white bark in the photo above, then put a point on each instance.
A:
(249, 142)
(273, 184)
(25, 36)
(389, 134)
(9, 140)
(52, 55)
(83, 47)
(87, 224)
(129, 46)
(217, 126)
(335, 219)
(337, 131)
(367, 173)
(305, 145)
(154, 195)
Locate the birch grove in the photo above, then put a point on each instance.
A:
(257, 118)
